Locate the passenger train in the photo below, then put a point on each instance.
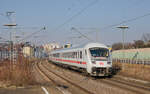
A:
(94, 58)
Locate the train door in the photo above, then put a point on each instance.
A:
(85, 58)
(81, 58)
(88, 62)
(78, 55)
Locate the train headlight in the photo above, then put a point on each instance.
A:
(108, 62)
(93, 62)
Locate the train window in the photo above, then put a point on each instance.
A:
(70, 55)
(57, 54)
(66, 55)
(80, 54)
(85, 52)
(73, 54)
(99, 52)
(63, 55)
(77, 54)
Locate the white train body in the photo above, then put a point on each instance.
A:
(95, 58)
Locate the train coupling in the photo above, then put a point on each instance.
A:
(101, 71)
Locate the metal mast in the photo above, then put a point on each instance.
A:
(11, 25)
(123, 41)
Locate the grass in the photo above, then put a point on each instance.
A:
(138, 71)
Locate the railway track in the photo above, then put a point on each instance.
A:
(122, 84)
(44, 74)
(146, 88)
(125, 85)
(63, 78)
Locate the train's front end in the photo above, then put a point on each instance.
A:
(101, 62)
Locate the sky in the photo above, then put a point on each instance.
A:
(59, 16)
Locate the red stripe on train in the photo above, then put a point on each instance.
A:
(70, 61)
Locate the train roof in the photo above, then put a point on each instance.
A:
(86, 46)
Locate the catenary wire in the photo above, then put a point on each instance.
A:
(77, 14)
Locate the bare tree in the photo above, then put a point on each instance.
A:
(139, 43)
(146, 37)
(117, 46)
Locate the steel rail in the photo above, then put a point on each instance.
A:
(145, 88)
(72, 83)
(41, 71)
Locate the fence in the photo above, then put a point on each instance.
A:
(132, 56)
(4, 54)
(132, 61)
(139, 54)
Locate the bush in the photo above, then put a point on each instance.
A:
(18, 74)
(138, 71)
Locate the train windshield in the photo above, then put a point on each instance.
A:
(99, 52)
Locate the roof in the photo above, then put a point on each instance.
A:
(86, 45)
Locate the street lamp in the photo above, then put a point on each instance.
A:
(123, 41)
(123, 31)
